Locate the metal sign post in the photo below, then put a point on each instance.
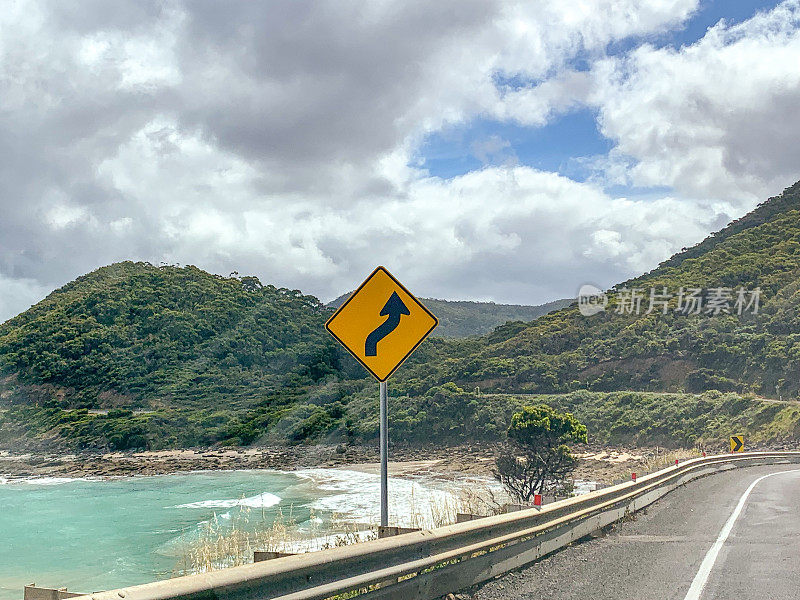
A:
(384, 455)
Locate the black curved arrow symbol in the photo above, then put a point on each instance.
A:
(394, 309)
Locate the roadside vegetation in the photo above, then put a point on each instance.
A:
(231, 540)
(537, 458)
(228, 542)
(447, 415)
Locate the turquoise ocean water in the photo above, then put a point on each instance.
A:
(91, 535)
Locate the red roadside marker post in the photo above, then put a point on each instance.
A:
(633, 476)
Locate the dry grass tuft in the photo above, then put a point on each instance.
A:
(661, 458)
(228, 542)
(222, 543)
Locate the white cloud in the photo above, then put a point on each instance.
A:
(714, 119)
(501, 233)
(276, 139)
(494, 150)
(61, 216)
(536, 106)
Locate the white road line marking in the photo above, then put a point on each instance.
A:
(700, 580)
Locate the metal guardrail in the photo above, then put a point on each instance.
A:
(428, 564)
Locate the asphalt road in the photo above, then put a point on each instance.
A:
(667, 551)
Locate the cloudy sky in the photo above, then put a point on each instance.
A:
(480, 150)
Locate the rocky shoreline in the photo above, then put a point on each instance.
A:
(115, 464)
(601, 464)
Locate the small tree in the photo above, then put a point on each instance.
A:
(537, 458)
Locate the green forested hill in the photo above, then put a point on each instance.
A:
(564, 350)
(134, 356)
(144, 334)
(173, 353)
(463, 318)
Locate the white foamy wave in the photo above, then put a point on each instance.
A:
(3, 481)
(52, 480)
(264, 500)
(417, 501)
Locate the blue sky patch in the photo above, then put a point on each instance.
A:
(711, 12)
(562, 145)
(457, 150)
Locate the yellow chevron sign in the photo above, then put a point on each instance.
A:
(737, 443)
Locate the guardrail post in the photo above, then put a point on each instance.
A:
(464, 517)
(392, 531)
(260, 555)
(40, 593)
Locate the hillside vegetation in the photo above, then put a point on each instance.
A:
(171, 354)
(464, 318)
(169, 335)
(564, 350)
(138, 356)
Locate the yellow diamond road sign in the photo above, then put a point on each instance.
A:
(737, 443)
(381, 324)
